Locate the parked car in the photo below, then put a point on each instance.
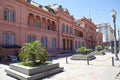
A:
(13, 58)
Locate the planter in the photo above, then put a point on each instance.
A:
(82, 57)
(99, 53)
(33, 73)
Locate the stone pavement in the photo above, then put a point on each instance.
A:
(3, 75)
(99, 69)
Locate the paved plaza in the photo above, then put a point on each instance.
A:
(99, 69)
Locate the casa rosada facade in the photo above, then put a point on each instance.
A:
(22, 21)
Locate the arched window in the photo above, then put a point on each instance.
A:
(43, 23)
(71, 31)
(12, 16)
(6, 14)
(48, 27)
(38, 22)
(5, 38)
(31, 20)
(67, 29)
(53, 26)
(63, 28)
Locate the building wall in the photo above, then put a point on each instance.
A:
(54, 27)
(89, 33)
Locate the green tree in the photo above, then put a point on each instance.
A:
(98, 47)
(33, 52)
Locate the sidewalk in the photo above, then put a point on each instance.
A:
(3, 75)
(99, 69)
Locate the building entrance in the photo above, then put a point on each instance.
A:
(67, 44)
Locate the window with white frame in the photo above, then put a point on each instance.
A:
(38, 25)
(12, 16)
(6, 14)
(12, 38)
(71, 31)
(48, 27)
(54, 43)
(8, 38)
(67, 29)
(75, 44)
(63, 28)
(44, 41)
(31, 38)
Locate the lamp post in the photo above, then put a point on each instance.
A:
(119, 38)
(113, 13)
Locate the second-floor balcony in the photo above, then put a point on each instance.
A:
(67, 34)
(42, 30)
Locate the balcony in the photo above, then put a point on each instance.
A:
(67, 34)
(88, 39)
(42, 30)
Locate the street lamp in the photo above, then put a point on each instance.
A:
(113, 13)
(119, 38)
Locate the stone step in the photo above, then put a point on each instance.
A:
(16, 74)
(22, 76)
(31, 71)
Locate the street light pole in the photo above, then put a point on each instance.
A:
(119, 38)
(113, 13)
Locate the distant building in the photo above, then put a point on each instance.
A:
(107, 32)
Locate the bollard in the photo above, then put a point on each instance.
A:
(113, 61)
(66, 60)
(88, 61)
(51, 59)
(118, 74)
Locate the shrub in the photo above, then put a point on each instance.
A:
(84, 50)
(98, 47)
(106, 47)
(33, 52)
(89, 50)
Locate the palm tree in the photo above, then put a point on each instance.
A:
(33, 52)
(82, 50)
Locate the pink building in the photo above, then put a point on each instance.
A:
(99, 38)
(89, 32)
(22, 21)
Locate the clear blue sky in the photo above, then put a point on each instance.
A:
(98, 10)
